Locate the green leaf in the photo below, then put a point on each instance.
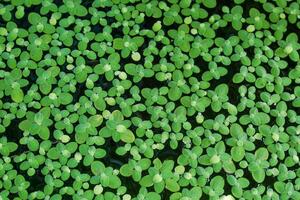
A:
(172, 185)
(36, 54)
(296, 102)
(261, 118)
(127, 136)
(262, 153)
(12, 146)
(236, 130)
(96, 120)
(258, 175)
(222, 90)
(97, 167)
(33, 145)
(174, 93)
(217, 182)
(80, 11)
(238, 78)
(17, 95)
(105, 132)
(34, 18)
(237, 153)
(146, 181)
(209, 3)
(114, 182)
(229, 166)
(152, 196)
(196, 193)
(65, 98)
(53, 154)
(44, 133)
(126, 170)
(118, 44)
(279, 187)
(81, 137)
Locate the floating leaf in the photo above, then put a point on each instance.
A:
(127, 136)
(17, 95)
(172, 185)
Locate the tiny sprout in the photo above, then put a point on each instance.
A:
(157, 26)
(251, 28)
(136, 56)
(98, 189)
